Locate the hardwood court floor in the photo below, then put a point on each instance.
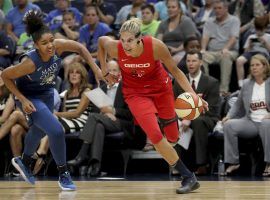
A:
(135, 190)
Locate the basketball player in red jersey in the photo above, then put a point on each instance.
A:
(147, 89)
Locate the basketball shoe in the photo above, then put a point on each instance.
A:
(25, 171)
(65, 182)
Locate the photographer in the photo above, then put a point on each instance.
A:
(106, 11)
(258, 43)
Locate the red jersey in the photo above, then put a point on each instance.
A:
(142, 74)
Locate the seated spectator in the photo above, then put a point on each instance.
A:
(6, 103)
(256, 43)
(129, 11)
(92, 30)
(208, 87)
(111, 119)
(5, 49)
(76, 104)
(162, 10)
(69, 29)
(106, 10)
(249, 115)
(220, 42)
(55, 17)
(191, 43)
(204, 14)
(176, 29)
(149, 24)
(14, 18)
(246, 11)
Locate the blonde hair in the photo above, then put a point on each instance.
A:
(265, 63)
(133, 26)
(84, 76)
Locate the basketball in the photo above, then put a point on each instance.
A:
(188, 106)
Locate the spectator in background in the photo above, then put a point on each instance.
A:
(256, 43)
(162, 10)
(6, 5)
(92, 30)
(15, 26)
(208, 87)
(110, 119)
(246, 10)
(191, 43)
(149, 24)
(129, 11)
(249, 115)
(220, 42)
(176, 29)
(69, 29)
(2, 19)
(106, 10)
(6, 48)
(55, 17)
(204, 14)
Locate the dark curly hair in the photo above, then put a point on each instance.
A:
(35, 26)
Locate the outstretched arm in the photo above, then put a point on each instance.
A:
(76, 47)
(107, 46)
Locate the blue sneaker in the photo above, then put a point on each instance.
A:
(65, 182)
(25, 172)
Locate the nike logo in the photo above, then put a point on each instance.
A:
(123, 60)
(39, 68)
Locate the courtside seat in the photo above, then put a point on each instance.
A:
(113, 142)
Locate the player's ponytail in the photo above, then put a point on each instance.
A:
(35, 26)
(133, 26)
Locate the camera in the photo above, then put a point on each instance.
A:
(254, 40)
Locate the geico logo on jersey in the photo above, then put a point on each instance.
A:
(144, 65)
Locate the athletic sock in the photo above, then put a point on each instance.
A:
(62, 168)
(184, 171)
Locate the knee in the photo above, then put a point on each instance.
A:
(240, 61)
(155, 138)
(17, 130)
(226, 126)
(198, 122)
(14, 116)
(100, 127)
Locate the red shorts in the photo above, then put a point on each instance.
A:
(146, 108)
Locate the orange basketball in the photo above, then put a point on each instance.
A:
(188, 106)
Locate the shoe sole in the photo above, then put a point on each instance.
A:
(17, 167)
(64, 188)
(195, 187)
